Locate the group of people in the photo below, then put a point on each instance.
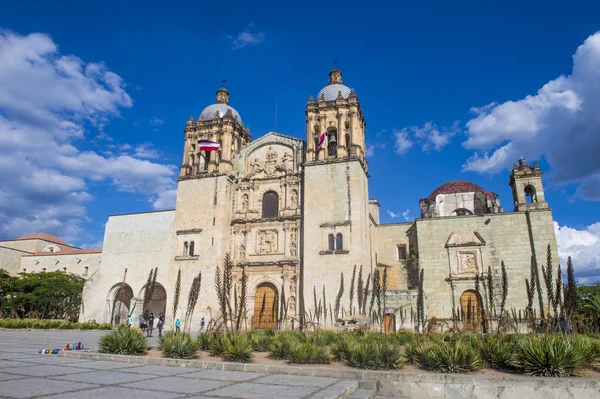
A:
(147, 323)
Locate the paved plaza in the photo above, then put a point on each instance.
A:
(24, 373)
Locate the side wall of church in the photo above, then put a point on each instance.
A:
(73, 263)
(507, 238)
(336, 201)
(134, 244)
(389, 238)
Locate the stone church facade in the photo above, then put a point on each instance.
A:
(295, 219)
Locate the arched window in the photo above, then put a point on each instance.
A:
(192, 248)
(339, 242)
(462, 212)
(270, 205)
(192, 159)
(530, 195)
(332, 143)
(331, 242)
(193, 148)
(186, 249)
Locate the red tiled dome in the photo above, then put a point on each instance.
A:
(458, 186)
(43, 236)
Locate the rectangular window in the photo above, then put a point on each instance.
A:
(214, 221)
(401, 252)
(213, 241)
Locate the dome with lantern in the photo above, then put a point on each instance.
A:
(219, 108)
(334, 88)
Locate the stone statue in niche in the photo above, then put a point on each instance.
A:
(245, 203)
(242, 253)
(293, 251)
(294, 199)
(292, 305)
(255, 167)
(271, 162)
(267, 243)
(293, 236)
(467, 263)
(287, 162)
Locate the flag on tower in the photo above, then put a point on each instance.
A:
(321, 141)
(207, 145)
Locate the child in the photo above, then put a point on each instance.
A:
(177, 324)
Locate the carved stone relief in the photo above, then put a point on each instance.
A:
(294, 199)
(245, 203)
(467, 263)
(272, 165)
(242, 252)
(267, 241)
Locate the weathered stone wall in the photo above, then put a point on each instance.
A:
(10, 260)
(389, 237)
(506, 238)
(133, 245)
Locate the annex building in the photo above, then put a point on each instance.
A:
(294, 218)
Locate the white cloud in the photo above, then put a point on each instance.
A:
(428, 137)
(372, 147)
(406, 214)
(246, 37)
(559, 123)
(393, 215)
(146, 151)
(401, 141)
(583, 246)
(165, 200)
(156, 121)
(48, 103)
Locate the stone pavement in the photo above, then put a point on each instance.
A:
(26, 374)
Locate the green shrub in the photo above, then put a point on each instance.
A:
(340, 348)
(307, 353)
(124, 341)
(67, 326)
(402, 337)
(178, 346)
(374, 355)
(203, 341)
(105, 326)
(415, 353)
(217, 344)
(237, 348)
(549, 356)
(280, 348)
(261, 342)
(495, 352)
(459, 357)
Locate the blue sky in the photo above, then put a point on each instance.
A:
(109, 86)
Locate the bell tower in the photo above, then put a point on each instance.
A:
(337, 113)
(219, 123)
(527, 187)
(336, 190)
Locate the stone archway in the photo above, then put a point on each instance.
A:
(121, 303)
(471, 307)
(158, 302)
(266, 301)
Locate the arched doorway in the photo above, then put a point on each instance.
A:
(158, 301)
(470, 306)
(389, 323)
(121, 302)
(265, 307)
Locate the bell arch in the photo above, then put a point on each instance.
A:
(120, 296)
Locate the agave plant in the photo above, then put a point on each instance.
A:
(549, 356)
(237, 348)
(415, 353)
(279, 349)
(375, 355)
(124, 341)
(217, 344)
(495, 352)
(451, 358)
(307, 353)
(203, 341)
(261, 342)
(178, 346)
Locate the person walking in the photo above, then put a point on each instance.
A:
(150, 325)
(129, 321)
(160, 324)
(202, 325)
(141, 321)
(177, 325)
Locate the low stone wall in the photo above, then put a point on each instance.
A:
(413, 385)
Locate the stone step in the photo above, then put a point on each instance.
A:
(363, 394)
(340, 390)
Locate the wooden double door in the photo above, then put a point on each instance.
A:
(266, 302)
